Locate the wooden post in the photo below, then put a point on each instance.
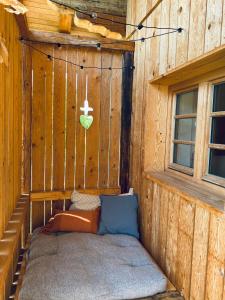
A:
(126, 110)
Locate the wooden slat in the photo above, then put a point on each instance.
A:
(106, 60)
(115, 122)
(182, 39)
(173, 37)
(213, 24)
(216, 258)
(197, 28)
(71, 119)
(59, 130)
(199, 256)
(93, 134)
(48, 100)
(184, 247)
(61, 195)
(80, 131)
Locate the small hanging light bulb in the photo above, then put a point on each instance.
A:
(98, 45)
(94, 15)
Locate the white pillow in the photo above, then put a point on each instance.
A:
(84, 201)
(130, 193)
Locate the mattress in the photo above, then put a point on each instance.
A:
(83, 266)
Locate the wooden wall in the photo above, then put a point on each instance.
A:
(203, 22)
(62, 155)
(186, 239)
(10, 120)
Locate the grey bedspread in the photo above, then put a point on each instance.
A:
(82, 266)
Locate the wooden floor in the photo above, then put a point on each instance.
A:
(165, 296)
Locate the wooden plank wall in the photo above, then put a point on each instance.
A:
(10, 120)
(186, 240)
(204, 29)
(63, 155)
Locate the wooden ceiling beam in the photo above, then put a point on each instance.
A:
(111, 7)
(22, 24)
(77, 40)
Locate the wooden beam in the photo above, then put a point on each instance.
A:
(111, 7)
(23, 25)
(21, 20)
(61, 195)
(65, 22)
(209, 62)
(145, 18)
(126, 122)
(77, 40)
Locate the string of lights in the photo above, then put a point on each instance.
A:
(94, 15)
(52, 57)
(98, 46)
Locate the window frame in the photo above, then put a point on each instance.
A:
(203, 130)
(173, 118)
(213, 179)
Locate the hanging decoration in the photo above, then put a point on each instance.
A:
(14, 7)
(86, 120)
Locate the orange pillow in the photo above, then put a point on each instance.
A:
(73, 221)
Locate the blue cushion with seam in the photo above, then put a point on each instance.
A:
(119, 215)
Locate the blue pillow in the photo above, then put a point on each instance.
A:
(119, 215)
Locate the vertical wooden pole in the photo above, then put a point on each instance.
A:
(126, 109)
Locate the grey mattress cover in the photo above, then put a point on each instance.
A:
(83, 266)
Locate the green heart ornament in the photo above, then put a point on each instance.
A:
(86, 121)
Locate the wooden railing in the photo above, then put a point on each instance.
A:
(13, 241)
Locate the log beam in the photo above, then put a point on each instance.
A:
(77, 40)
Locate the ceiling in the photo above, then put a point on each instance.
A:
(41, 15)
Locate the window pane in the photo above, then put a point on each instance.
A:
(217, 162)
(185, 129)
(218, 130)
(183, 155)
(187, 102)
(219, 97)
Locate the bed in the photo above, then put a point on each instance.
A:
(85, 266)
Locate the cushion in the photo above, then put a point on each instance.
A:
(131, 192)
(70, 221)
(84, 201)
(119, 215)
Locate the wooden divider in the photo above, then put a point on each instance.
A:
(185, 234)
(59, 153)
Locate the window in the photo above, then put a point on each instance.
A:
(184, 130)
(197, 131)
(216, 159)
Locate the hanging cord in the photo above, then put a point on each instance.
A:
(94, 15)
(142, 39)
(52, 57)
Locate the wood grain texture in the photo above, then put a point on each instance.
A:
(43, 16)
(65, 155)
(10, 120)
(185, 239)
